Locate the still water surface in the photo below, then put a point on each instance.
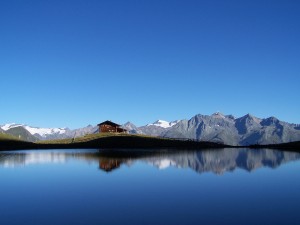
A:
(230, 186)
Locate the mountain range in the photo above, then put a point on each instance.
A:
(29, 133)
(227, 129)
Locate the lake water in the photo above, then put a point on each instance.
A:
(230, 186)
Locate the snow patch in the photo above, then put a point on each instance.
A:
(35, 130)
(218, 115)
(10, 125)
(44, 131)
(163, 123)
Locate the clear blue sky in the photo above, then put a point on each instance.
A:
(73, 63)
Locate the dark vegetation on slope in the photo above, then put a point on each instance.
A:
(123, 141)
(110, 141)
(292, 146)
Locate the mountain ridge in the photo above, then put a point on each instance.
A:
(217, 127)
(228, 129)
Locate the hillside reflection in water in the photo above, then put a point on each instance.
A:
(149, 187)
(216, 161)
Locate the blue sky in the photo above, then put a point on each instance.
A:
(73, 63)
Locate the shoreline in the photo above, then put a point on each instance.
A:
(132, 142)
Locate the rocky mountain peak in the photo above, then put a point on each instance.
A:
(218, 114)
(270, 121)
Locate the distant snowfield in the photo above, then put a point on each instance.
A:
(45, 131)
(10, 125)
(163, 123)
(35, 130)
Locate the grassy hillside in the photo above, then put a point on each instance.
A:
(7, 137)
(111, 140)
(22, 133)
(9, 142)
(108, 141)
(85, 138)
(122, 141)
(91, 137)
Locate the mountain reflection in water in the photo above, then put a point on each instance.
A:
(216, 161)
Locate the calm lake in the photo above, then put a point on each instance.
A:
(229, 186)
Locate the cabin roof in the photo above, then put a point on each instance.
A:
(108, 122)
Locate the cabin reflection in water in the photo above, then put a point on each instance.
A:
(109, 164)
(215, 161)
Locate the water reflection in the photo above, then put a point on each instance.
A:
(216, 161)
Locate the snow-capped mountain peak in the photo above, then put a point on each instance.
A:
(10, 125)
(174, 122)
(218, 115)
(43, 132)
(163, 123)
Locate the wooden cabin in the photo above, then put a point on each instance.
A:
(110, 127)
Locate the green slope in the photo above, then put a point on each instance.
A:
(22, 134)
(114, 140)
(9, 142)
(7, 137)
